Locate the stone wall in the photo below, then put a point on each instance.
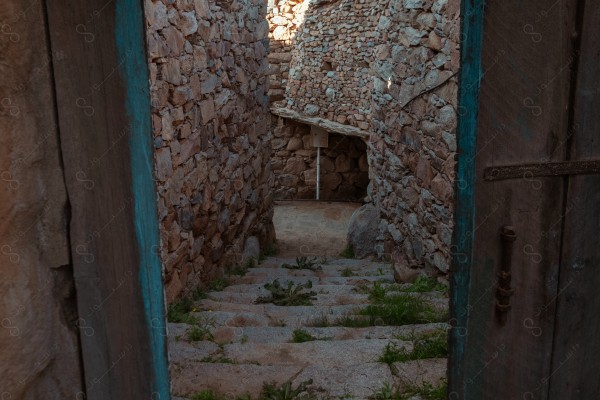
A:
(208, 72)
(387, 68)
(285, 17)
(39, 344)
(344, 169)
(413, 130)
(329, 74)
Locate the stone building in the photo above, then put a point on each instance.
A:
(378, 76)
(384, 72)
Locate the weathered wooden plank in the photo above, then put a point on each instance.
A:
(575, 362)
(469, 86)
(522, 119)
(104, 119)
(330, 126)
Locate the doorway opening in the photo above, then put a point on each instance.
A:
(238, 99)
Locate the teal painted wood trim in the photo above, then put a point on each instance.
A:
(472, 13)
(131, 48)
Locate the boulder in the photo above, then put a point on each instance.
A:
(251, 249)
(362, 230)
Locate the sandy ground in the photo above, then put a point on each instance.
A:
(312, 228)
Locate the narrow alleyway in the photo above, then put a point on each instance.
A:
(329, 327)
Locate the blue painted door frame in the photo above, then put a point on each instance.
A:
(468, 106)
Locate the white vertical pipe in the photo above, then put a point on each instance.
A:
(318, 170)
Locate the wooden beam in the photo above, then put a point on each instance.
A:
(328, 125)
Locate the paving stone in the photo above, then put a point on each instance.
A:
(321, 353)
(415, 372)
(338, 381)
(231, 380)
(258, 338)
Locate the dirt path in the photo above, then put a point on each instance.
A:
(312, 228)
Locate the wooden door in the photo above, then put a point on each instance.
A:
(103, 109)
(529, 103)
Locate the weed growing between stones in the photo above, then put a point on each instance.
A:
(179, 311)
(430, 345)
(302, 336)
(347, 272)
(303, 262)
(292, 295)
(270, 391)
(425, 284)
(424, 391)
(218, 360)
(201, 330)
(286, 391)
(208, 395)
(348, 252)
(241, 270)
(402, 309)
(218, 284)
(270, 250)
(348, 321)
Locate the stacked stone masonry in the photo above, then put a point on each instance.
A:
(208, 77)
(344, 168)
(388, 68)
(413, 141)
(285, 17)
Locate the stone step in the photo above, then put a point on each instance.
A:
(346, 381)
(284, 334)
(326, 295)
(359, 381)
(417, 372)
(317, 284)
(319, 353)
(333, 266)
(242, 315)
(264, 275)
(229, 380)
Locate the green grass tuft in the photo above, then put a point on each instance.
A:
(348, 252)
(292, 295)
(402, 309)
(218, 284)
(241, 270)
(286, 391)
(303, 262)
(347, 272)
(208, 395)
(270, 250)
(302, 336)
(425, 284)
(179, 311)
(429, 345)
(425, 391)
(218, 360)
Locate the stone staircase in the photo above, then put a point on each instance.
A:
(251, 344)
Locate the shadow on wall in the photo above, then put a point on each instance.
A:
(208, 83)
(344, 172)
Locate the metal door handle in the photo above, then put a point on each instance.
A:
(504, 290)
